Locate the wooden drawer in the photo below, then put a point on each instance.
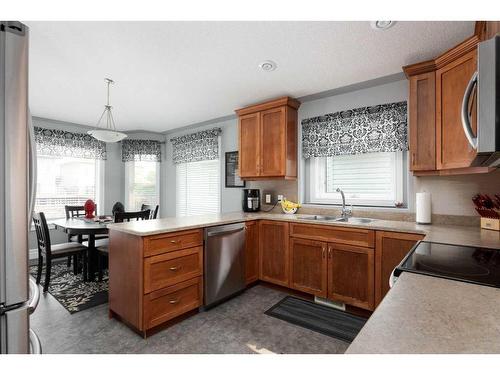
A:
(163, 243)
(171, 268)
(170, 302)
(348, 236)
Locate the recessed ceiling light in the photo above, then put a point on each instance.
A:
(268, 66)
(382, 25)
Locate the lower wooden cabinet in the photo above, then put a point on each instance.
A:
(308, 266)
(351, 275)
(274, 253)
(252, 252)
(390, 249)
(168, 303)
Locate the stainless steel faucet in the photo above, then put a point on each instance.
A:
(346, 212)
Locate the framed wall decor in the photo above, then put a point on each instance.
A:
(233, 179)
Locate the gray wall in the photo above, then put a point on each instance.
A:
(230, 197)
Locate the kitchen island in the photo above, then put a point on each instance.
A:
(156, 266)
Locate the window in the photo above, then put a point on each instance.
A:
(66, 181)
(371, 179)
(198, 188)
(141, 184)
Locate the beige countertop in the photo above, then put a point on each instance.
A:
(452, 234)
(424, 314)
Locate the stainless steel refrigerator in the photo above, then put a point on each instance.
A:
(18, 293)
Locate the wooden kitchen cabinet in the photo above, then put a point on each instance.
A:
(454, 150)
(351, 275)
(252, 252)
(308, 266)
(274, 252)
(390, 249)
(438, 145)
(249, 137)
(422, 122)
(268, 140)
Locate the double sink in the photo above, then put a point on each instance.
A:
(353, 220)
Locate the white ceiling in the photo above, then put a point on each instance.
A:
(173, 74)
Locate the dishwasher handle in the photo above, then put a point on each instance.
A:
(224, 232)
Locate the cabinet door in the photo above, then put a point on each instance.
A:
(308, 266)
(351, 275)
(453, 149)
(423, 122)
(252, 252)
(274, 254)
(249, 139)
(390, 249)
(273, 146)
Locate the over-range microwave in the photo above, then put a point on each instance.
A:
(486, 82)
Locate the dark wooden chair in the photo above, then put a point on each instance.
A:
(154, 213)
(120, 217)
(49, 252)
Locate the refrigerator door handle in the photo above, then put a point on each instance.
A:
(32, 168)
(35, 343)
(35, 296)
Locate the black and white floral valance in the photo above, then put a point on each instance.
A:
(141, 150)
(380, 128)
(203, 145)
(54, 142)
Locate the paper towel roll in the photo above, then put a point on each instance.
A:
(423, 208)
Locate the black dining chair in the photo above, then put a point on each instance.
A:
(120, 217)
(154, 213)
(49, 252)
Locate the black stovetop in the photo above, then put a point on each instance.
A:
(463, 263)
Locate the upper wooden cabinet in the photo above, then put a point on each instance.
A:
(268, 140)
(422, 122)
(438, 145)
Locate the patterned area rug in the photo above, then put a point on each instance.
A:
(70, 290)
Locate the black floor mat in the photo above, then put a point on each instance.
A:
(322, 319)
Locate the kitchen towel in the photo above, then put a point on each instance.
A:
(423, 208)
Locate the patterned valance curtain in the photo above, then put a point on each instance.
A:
(203, 145)
(141, 150)
(380, 128)
(53, 142)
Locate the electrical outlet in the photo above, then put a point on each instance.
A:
(268, 198)
(280, 197)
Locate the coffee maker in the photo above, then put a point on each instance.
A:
(251, 200)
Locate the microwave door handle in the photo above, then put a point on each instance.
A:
(466, 118)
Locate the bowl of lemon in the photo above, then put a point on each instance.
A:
(289, 207)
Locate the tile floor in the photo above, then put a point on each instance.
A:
(237, 326)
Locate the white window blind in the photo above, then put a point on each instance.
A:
(198, 188)
(141, 184)
(66, 181)
(371, 179)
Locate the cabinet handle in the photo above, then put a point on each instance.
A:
(173, 301)
(174, 268)
(324, 253)
(412, 158)
(330, 253)
(174, 241)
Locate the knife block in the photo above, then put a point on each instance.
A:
(489, 223)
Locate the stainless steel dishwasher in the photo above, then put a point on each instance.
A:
(224, 269)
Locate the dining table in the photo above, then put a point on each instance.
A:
(87, 228)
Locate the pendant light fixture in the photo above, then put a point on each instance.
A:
(108, 132)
